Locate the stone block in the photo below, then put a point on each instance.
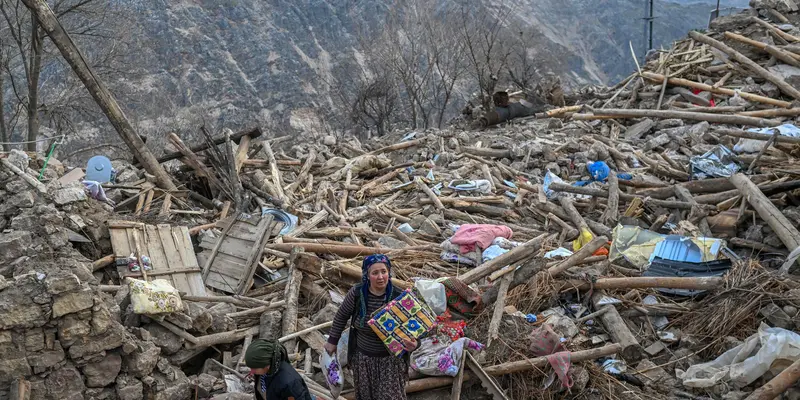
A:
(129, 388)
(104, 372)
(15, 304)
(72, 328)
(169, 342)
(65, 384)
(141, 362)
(776, 316)
(61, 283)
(69, 194)
(90, 345)
(13, 368)
(14, 245)
(47, 359)
(72, 302)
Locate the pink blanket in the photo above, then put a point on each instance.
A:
(470, 235)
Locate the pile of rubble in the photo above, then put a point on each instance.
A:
(651, 242)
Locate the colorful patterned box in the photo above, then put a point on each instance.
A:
(402, 318)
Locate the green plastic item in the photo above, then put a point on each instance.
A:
(46, 160)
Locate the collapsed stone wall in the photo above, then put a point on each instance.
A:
(58, 331)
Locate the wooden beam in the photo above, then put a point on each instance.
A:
(785, 230)
(716, 90)
(750, 64)
(514, 256)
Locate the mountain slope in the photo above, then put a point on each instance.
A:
(271, 60)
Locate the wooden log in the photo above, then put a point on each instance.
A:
(684, 195)
(717, 90)
(662, 168)
(258, 310)
(611, 215)
(785, 230)
(355, 274)
(497, 314)
(487, 152)
(755, 135)
(775, 112)
(419, 385)
(275, 173)
(775, 30)
(576, 258)
(236, 137)
(630, 349)
(785, 56)
(750, 64)
(724, 109)
(714, 185)
(762, 151)
(27, 178)
(292, 295)
(308, 225)
(561, 187)
(241, 153)
(573, 214)
(646, 282)
(304, 332)
(303, 175)
(779, 384)
(694, 116)
(750, 244)
(103, 262)
(398, 146)
(428, 192)
(102, 96)
(192, 160)
(514, 256)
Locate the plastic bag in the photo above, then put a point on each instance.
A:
(770, 348)
(333, 372)
(342, 348)
(154, 297)
(433, 293)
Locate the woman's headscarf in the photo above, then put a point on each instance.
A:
(262, 353)
(368, 262)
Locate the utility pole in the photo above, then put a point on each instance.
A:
(648, 25)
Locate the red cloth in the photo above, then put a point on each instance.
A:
(470, 235)
(545, 342)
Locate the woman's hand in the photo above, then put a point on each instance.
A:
(330, 348)
(410, 345)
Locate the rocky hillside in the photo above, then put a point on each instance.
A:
(269, 59)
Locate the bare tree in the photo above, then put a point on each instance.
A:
(57, 95)
(487, 47)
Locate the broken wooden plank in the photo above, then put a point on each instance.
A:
(785, 230)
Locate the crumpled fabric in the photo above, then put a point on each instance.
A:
(438, 356)
(461, 298)
(446, 325)
(95, 190)
(452, 253)
(545, 342)
(469, 236)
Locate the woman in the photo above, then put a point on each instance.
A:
(275, 378)
(378, 374)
